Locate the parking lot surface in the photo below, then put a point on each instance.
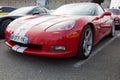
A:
(103, 64)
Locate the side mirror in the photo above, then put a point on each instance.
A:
(104, 14)
(107, 13)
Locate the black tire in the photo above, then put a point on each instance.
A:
(3, 26)
(81, 48)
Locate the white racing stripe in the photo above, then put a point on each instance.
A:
(21, 49)
(53, 21)
(21, 31)
(79, 63)
(44, 22)
(25, 27)
(15, 47)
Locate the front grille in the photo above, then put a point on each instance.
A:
(32, 46)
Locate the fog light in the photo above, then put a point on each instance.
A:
(57, 48)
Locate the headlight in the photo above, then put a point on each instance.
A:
(62, 26)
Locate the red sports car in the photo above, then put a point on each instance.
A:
(72, 30)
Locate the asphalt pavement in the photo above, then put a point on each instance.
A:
(103, 64)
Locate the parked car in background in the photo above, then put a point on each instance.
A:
(31, 10)
(5, 10)
(116, 16)
(72, 30)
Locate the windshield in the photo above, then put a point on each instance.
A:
(6, 9)
(76, 9)
(21, 11)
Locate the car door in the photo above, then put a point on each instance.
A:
(105, 21)
(102, 23)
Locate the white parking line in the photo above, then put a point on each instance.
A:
(79, 63)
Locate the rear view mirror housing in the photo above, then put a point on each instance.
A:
(107, 13)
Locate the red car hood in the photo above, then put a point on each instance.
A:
(37, 24)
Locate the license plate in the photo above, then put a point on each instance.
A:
(19, 39)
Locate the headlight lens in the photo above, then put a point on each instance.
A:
(62, 26)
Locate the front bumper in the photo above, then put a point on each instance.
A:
(42, 47)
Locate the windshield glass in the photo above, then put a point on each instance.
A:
(76, 9)
(7, 9)
(21, 11)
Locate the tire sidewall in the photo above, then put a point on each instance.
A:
(4, 26)
(81, 54)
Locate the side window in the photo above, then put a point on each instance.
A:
(100, 10)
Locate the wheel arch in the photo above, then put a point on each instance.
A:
(6, 19)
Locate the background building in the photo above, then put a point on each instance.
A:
(52, 3)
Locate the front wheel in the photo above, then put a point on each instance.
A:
(86, 43)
